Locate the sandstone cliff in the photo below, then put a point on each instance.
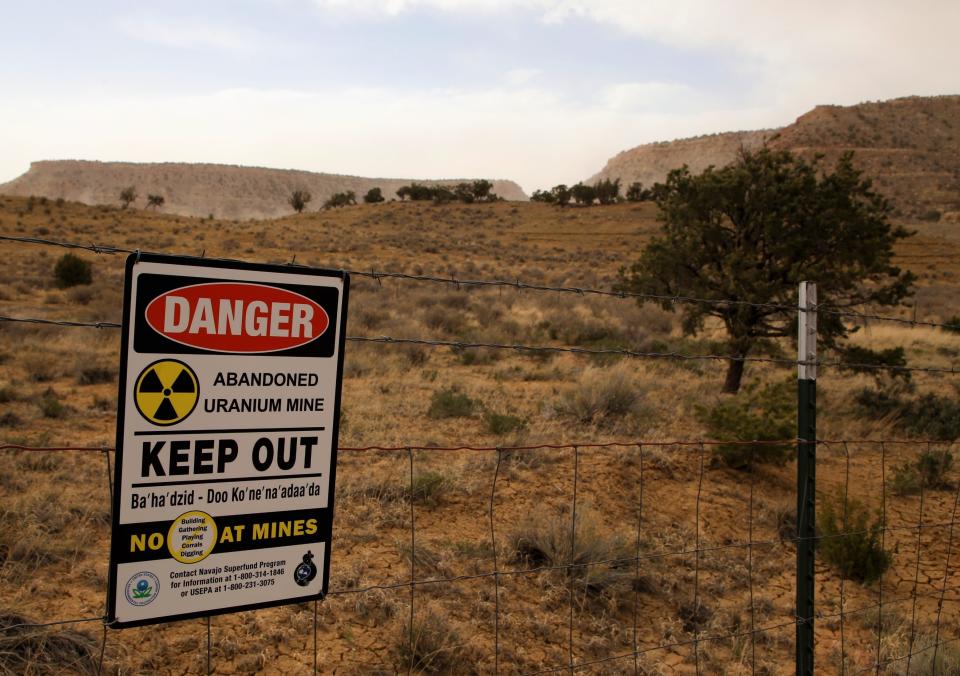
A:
(910, 147)
(201, 189)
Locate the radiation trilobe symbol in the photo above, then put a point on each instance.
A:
(166, 392)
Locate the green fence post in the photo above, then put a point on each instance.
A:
(806, 474)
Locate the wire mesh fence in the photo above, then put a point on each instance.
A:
(633, 556)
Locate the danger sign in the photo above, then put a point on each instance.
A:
(226, 437)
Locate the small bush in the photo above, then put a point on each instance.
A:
(72, 270)
(10, 419)
(436, 648)
(340, 199)
(602, 396)
(95, 375)
(373, 196)
(850, 542)
(929, 470)
(953, 324)
(416, 355)
(428, 488)
(25, 650)
(935, 660)
(502, 423)
(543, 540)
(757, 414)
(450, 403)
(81, 295)
(879, 403)
(52, 407)
(931, 416)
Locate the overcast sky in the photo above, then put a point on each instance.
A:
(540, 91)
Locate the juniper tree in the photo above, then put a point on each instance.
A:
(751, 231)
(299, 199)
(128, 196)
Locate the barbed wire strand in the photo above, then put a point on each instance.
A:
(544, 349)
(377, 276)
(632, 444)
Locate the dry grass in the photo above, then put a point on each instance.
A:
(53, 509)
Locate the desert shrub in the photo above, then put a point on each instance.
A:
(298, 200)
(27, 650)
(435, 648)
(373, 196)
(880, 402)
(94, 374)
(930, 659)
(760, 413)
(929, 416)
(52, 407)
(415, 355)
(10, 419)
(340, 199)
(849, 540)
(502, 423)
(928, 470)
(428, 488)
(953, 324)
(80, 295)
(930, 216)
(601, 396)
(476, 356)
(895, 357)
(444, 319)
(71, 270)
(544, 540)
(932, 416)
(450, 403)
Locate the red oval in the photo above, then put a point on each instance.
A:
(239, 317)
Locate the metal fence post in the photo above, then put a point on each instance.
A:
(806, 474)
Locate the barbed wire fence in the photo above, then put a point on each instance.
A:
(867, 456)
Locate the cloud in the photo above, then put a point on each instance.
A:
(521, 76)
(798, 53)
(183, 34)
(652, 96)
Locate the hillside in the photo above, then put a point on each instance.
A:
(651, 162)
(472, 510)
(226, 191)
(909, 146)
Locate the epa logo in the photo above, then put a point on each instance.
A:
(142, 589)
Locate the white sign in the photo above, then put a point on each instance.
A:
(226, 437)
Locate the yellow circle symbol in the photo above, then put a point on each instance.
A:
(192, 536)
(166, 392)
